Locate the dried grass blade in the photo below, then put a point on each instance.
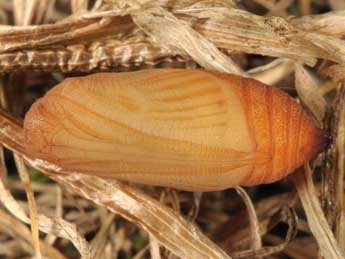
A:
(44, 11)
(50, 238)
(19, 11)
(208, 24)
(99, 241)
(170, 4)
(287, 215)
(24, 176)
(238, 30)
(231, 237)
(79, 6)
(163, 27)
(154, 248)
(175, 233)
(225, 27)
(334, 47)
(28, 12)
(253, 219)
(79, 29)
(58, 227)
(316, 218)
(22, 231)
(30, 7)
(331, 23)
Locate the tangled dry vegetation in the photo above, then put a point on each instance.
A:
(68, 216)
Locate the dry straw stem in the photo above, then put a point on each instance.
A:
(331, 246)
(318, 224)
(99, 55)
(253, 220)
(225, 27)
(232, 238)
(154, 248)
(50, 238)
(333, 190)
(339, 167)
(3, 168)
(171, 230)
(79, 6)
(299, 248)
(99, 242)
(332, 23)
(58, 227)
(270, 212)
(24, 176)
(287, 215)
(18, 229)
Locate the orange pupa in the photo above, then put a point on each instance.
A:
(187, 129)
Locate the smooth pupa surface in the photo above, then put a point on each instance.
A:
(187, 129)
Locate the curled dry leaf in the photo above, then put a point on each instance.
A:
(273, 72)
(172, 231)
(307, 89)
